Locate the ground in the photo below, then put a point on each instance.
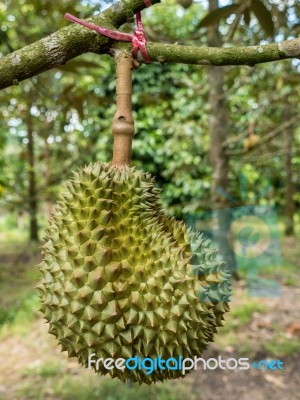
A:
(32, 367)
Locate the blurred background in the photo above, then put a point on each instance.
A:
(214, 138)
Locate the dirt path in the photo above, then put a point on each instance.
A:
(250, 384)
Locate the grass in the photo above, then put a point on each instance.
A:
(17, 319)
(18, 276)
(51, 368)
(241, 315)
(280, 345)
(235, 323)
(44, 385)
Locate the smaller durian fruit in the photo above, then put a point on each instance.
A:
(185, 3)
(251, 142)
(121, 279)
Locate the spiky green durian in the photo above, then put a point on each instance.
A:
(122, 279)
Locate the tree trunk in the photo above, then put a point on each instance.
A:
(289, 187)
(32, 192)
(218, 127)
(47, 175)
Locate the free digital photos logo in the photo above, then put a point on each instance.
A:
(246, 236)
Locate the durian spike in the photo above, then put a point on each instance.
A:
(123, 124)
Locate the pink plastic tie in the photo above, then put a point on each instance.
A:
(138, 39)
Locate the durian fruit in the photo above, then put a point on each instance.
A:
(185, 3)
(122, 279)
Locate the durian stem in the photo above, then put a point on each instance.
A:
(123, 124)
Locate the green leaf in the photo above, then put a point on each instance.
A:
(219, 13)
(264, 17)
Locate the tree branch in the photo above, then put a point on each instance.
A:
(65, 44)
(74, 40)
(250, 55)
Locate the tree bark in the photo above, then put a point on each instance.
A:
(289, 187)
(218, 127)
(32, 192)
